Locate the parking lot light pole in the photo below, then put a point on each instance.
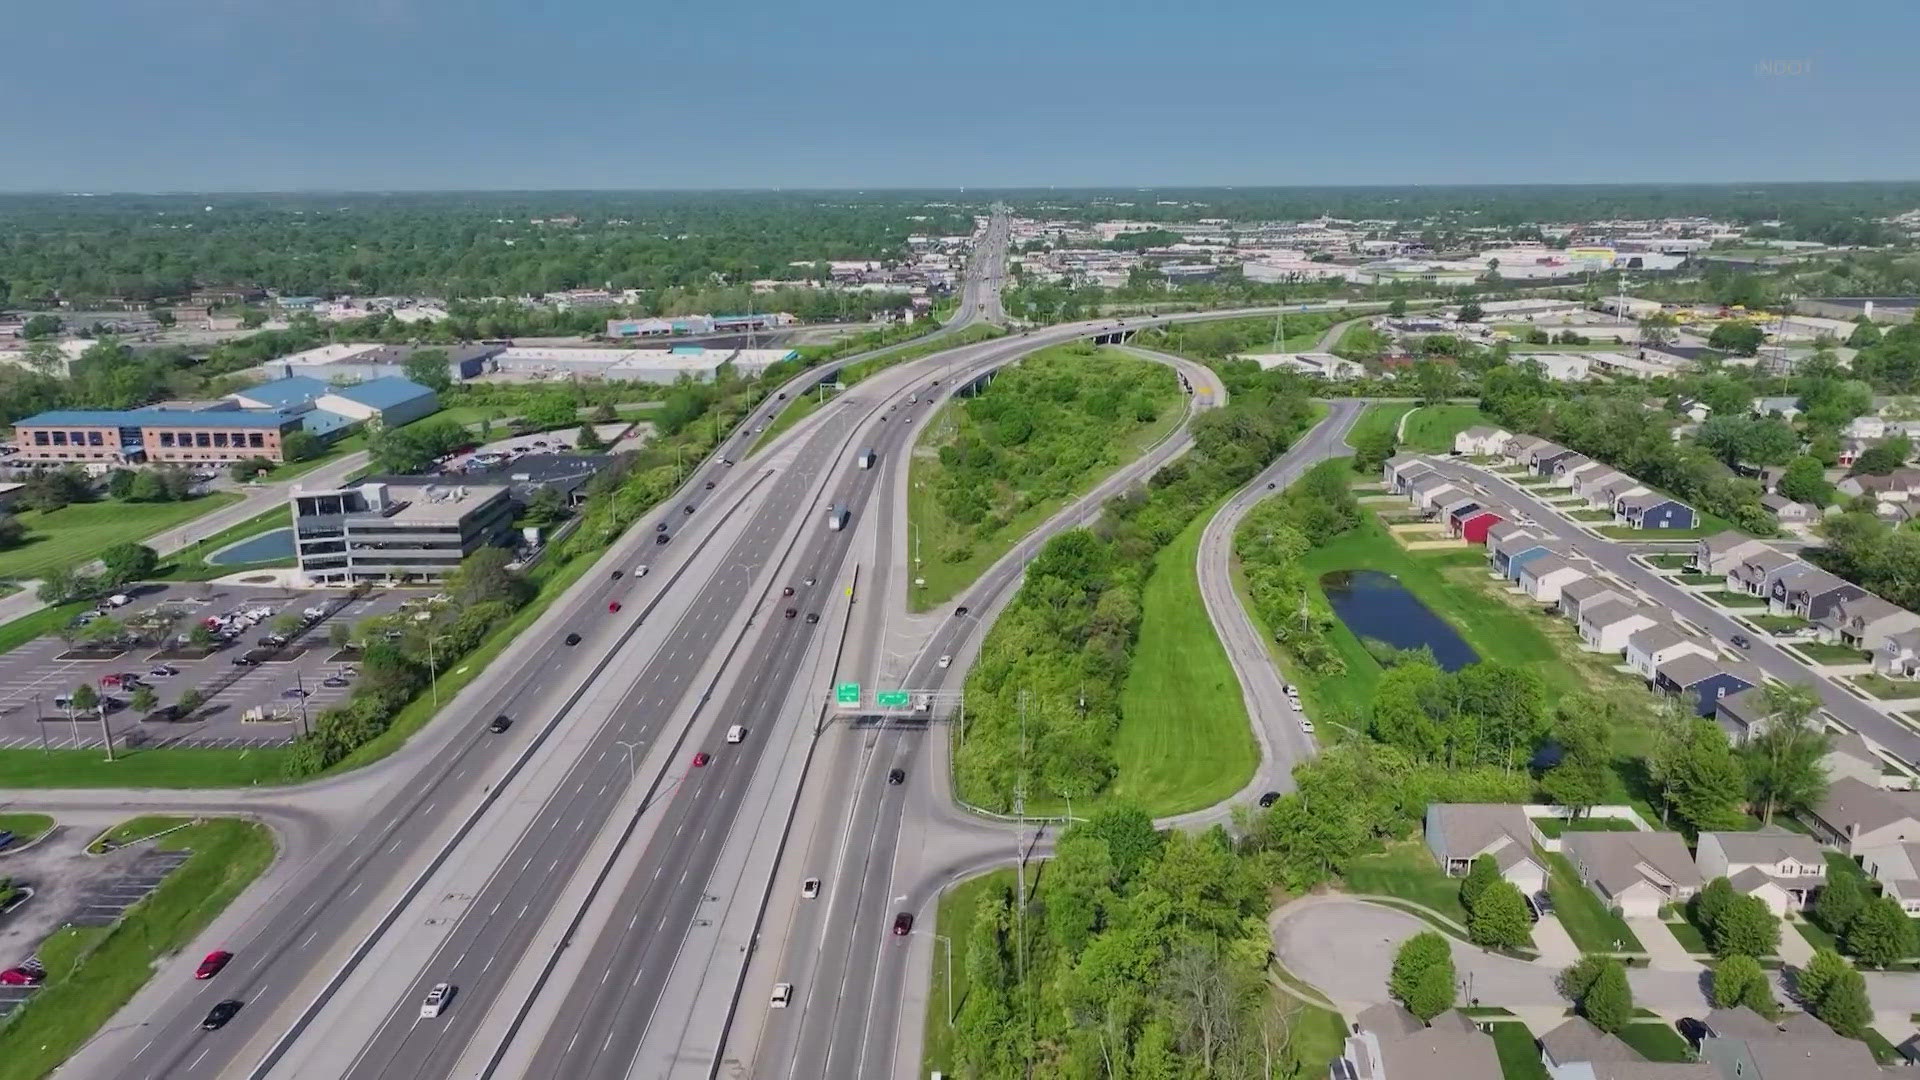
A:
(306, 728)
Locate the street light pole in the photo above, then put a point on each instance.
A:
(633, 767)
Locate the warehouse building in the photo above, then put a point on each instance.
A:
(527, 364)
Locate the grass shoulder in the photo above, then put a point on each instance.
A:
(78, 533)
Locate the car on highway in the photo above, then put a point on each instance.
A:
(436, 1001)
(896, 776)
(810, 888)
(946, 661)
(22, 976)
(211, 966)
(808, 583)
(218, 1016)
(660, 526)
(791, 612)
(618, 574)
(737, 733)
(782, 993)
(1306, 725)
(709, 485)
(788, 591)
(700, 759)
(613, 605)
(960, 612)
(687, 509)
(1740, 641)
(903, 924)
(813, 617)
(726, 461)
(662, 538)
(163, 672)
(573, 639)
(499, 723)
(640, 570)
(1269, 798)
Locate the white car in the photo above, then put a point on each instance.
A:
(640, 571)
(946, 661)
(810, 888)
(1306, 725)
(736, 734)
(782, 993)
(436, 1001)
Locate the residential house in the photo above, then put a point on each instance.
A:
(1653, 510)
(1606, 626)
(1720, 553)
(1527, 549)
(1797, 1048)
(1544, 577)
(1742, 714)
(1865, 621)
(1390, 1043)
(1755, 572)
(1651, 646)
(1591, 484)
(1865, 427)
(1898, 657)
(1519, 449)
(1781, 868)
(1543, 457)
(1564, 468)
(1899, 485)
(1505, 539)
(1481, 441)
(1784, 407)
(1634, 872)
(1475, 527)
(1696, 410)
(1850, 755)
(1809, 592)
(1785, 510)
(1458, 833)
(1445, 508)
(1401, 469)
(1578, 596)
(1850, 451)
(1856, 816)
(1610, 494)
(1576, 1050)
(1897, 868)
(1427, 491)
(1705, 680)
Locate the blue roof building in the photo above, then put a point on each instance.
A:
(297, 391)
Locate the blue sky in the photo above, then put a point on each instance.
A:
(165, 95)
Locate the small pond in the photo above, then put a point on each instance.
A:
(267, 547)
(1376, 605)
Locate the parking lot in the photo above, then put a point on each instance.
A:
(259, 703)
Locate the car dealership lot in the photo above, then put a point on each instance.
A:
(260, 704)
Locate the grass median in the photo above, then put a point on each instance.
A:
(806, 404)
(25, 827)
(1184, 740)
(93, 971)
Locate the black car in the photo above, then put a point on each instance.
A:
(661, 527)
(897, 776)
(662, 538)
(791, 612)
(687, 509)
(960, 611)
(1690, 1029)
(709, 485)
(1269, 798)
(788, 591)
(813, 616)
(573, 639)
(1543, 902)
(241, 661)
(1740, 641)
(218, 1016)
(500, 723)
(618, 574)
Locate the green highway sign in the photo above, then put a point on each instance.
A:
(847, 694)
(892, 699)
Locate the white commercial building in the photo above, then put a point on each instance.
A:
(526, 364)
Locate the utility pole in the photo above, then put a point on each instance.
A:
(40, 723)
(106, 733)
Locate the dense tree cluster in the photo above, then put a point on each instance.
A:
(1735, 923)
(1836, 992)
(1597, 986)
(1138, 954)
(1271, 542)
(1871, 928)
(1487, 713)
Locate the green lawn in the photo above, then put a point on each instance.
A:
(1519, 1055)
(1431, 428)
(1184, 741)
(1590, 515)
(1670, 560)
(1383, 416)
(1552, 826)
(1591, 926)
(1827, 652)
(164, 768)
(927, 521)
(25, 827)
(1887, 689)
(1736, 599)
(954, 922)
(77, 534)
(1656, 1042)
(1700, 579)
(1884, 1052)
(1689, 936)
(352, 444)
(1319, 1035)
(1407, 870)
(91, 973)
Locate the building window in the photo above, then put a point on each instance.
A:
(40, 439)
(201, 438)
(93, 439)
(59, 438)
(166, 439)
(219, 438)
(255, 439)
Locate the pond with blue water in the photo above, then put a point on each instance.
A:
(271, 546)
(1375, 605)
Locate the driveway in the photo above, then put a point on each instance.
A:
(1664, 951)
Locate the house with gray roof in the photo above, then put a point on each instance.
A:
(1401, 469)
(1635, 873)
(1540, 460)
(1782, 868)
(1898, 657)
(1606, 626)
(1865, 621)
(1754, 573)
(1897, 868)
(1590, 485)
(1481, 440)
(1621, 487)
(1576, 596)
(1721, 552)
(1544, 577)
(1797, 1048)
(1565, 466)
(1651, 646)
(1703, 680)
(1519, 449)
(1855, 816)
(1576, 1050)
(1786, 510)
(1389, 1043)
(1458, 833)
(1430, 489)
(1652, 510)
(1809, 592)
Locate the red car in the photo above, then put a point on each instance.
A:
(903, 924)
(19, 976)
(701, 758)
(211, 966)
(613, 605)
